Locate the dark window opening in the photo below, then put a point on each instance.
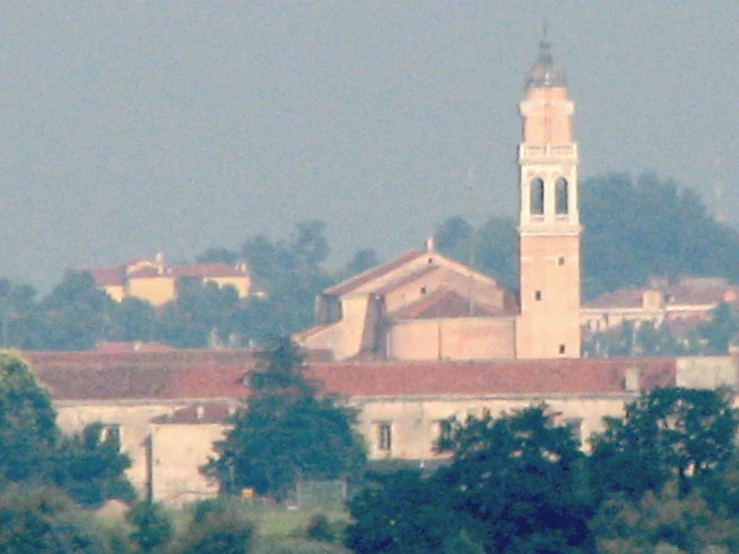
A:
(537, 295)
(561, 196)
(537, 196)
(561, 260)
(384, 436)
(423, 290)
(561, 348)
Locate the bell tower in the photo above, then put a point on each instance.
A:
(549, 225)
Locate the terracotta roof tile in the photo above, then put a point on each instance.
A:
(490, 378)
(372, 273)
(405, 279)
(106, 276)
(444, 303)
(136, 346)
(107, 380)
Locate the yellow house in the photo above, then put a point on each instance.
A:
(156, 282)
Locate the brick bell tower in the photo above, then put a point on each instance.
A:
(549, 228)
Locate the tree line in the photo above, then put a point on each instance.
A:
(634, 229)
(663, 477)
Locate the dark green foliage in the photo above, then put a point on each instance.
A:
(203, 315)
(133, 320)
(402, 513)
(44, 521)
(718, 332)
(515, 479)
(492, 248)
(28, 431)
(33, 450)
(151, 526)
(286, 432)
(646, 227)
(514, 485)
(217, 529)
(217, 255)
(672, 433)
(76, 315)
(363, 260)
(320, 529)
(90, 467)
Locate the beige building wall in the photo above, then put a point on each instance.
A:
(133, 422)
(549, 325)
(241, 284)
(471, 338)
(178, 451)
(155, 290)
(116, 292)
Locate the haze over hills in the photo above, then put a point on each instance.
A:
(135, 129)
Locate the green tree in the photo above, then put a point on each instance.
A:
(515, 480)
(402, 513)
(362, 260)
(90, 466)
(717, 333)
(76, 315)
(44, 521)
(217, 528)
(20, 324)
(669, 433)
(151, 526)
(218, 255)
(133, 319)
(34, 450)
(291, 273)
(286, 432)
(664, 520)
(203, 315)
(28, 431)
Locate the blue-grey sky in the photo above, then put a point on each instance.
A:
(130, 127)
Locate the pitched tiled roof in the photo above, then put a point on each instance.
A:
(688, 292)
(373, 273)
(106, 276)
(444, 303)
(170, 381)
(505, 377)
(211, 412)
(405, 279)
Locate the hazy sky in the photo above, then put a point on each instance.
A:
(130, 127)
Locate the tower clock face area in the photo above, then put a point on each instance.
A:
(549, 225)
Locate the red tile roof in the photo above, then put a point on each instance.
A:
(405, 279)
(106, 276)
(444, 303)
(373, 273)
(688, 292)
(106, 380)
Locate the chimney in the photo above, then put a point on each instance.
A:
(631, 379)
(430, 244)
(199, 412)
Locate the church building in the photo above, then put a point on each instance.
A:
(423, 305)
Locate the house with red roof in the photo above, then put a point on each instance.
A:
(682, 304)
(157, 282)
(421, 305)
(169, 407)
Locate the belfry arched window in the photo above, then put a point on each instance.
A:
(561, 195)
(537, 196)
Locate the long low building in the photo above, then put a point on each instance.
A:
(168, 408)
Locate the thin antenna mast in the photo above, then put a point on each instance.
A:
(471, 242)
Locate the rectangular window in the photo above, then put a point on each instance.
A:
(385, 436)
(562, 348)
(110, 432)
(537, 295)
